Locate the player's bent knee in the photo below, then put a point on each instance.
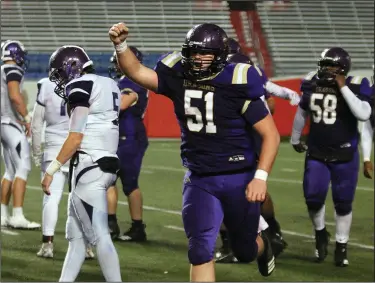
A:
(314, 206)
(9, 176)
(129, 189)
(343, 209)
(22, 173)
(245, 253)
(200, 252)
(73, 231)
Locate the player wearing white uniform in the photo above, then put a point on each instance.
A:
(50, 109)
(15, 148)
(91, 145)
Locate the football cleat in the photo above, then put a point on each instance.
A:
(321, 244)
(225, 255)
(278, 244)
(46, 250)
(20, 222)
(4, 221)
(341, 257)
(134, 234)
(266, 262)
(114, 229)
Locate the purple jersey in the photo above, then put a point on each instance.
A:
(131, 119)
(214, 114)
(333, 130)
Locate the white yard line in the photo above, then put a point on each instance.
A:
(176, 212)
(292, 233)
(8, 232)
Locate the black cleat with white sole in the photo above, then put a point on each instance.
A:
(136, 233)
(114, 229)
(321, 244)
(266, 262)
(341, 257)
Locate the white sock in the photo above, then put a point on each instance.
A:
(343, 224)
(74, 258)
(263, 225)
(108, 259)
(318, 218)
(17, 211)
(50, 213)
(4, 210)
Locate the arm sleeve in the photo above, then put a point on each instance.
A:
(79, 93)
(276, 90)
(78, 119)
(298, 125)
(37, 123)
(13, 74)
(360, 109)
(254, 111)
(367, 134)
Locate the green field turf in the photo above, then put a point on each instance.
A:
(164, 256)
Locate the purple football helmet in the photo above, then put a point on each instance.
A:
(114, 70)
(13, 50)
(234, 46)
(204, 39)
(239, 58)
(67, 63)
(330, 58)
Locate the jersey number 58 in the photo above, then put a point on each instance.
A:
(194, 111)
(327, 113)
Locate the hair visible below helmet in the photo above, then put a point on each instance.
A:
(114, 70)
(234, 46)
(67, 63)
(14, 50)
(333, 57)
(204, 39)
(239, 58)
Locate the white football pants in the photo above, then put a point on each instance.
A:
(88, 221)
(15, 151)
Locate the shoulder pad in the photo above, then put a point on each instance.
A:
(310, 76)
(356, 80)
(240, 73)
(171, 59)
(41, 81)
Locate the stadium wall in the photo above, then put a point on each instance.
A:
(161, 122)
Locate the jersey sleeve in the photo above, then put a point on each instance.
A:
(254, 111)
(361, 87)
(40, 95)
(165, 72)
(255, 82)
(13, 74)
(306, 90)
(127, 86)
(79, 93)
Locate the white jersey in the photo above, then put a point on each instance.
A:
(55, 116)
(9, 72)
(101, 95)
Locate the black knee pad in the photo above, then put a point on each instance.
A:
(314, 206)
(343, 208)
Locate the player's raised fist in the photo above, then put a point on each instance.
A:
(118, 33)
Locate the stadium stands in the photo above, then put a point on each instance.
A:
(295, 35)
